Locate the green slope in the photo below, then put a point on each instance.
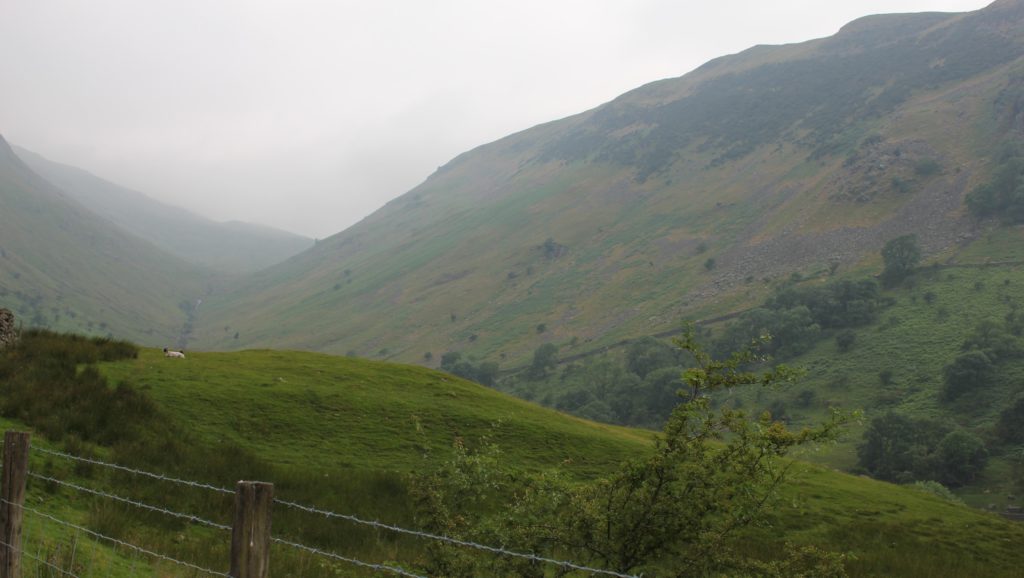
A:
(63, 267)
(316, 413)
(324, 411)
(598, 227)
(912, 341)
(232, 247)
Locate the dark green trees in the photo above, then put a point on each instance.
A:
(900, 255)
(484, 373)
(545, 358)
(1003, 195)
(901, 449)
(970, 370)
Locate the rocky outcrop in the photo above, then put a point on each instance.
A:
(8, 333)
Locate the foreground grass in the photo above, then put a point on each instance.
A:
(889, 530)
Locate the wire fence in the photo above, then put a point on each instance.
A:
(50, 561)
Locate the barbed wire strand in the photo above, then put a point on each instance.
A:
(188, 517)
(41, 561)
(115, 541)
(353, 561)
(160, 477)
(454, 541)
(350, 518)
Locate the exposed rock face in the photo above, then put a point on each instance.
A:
(7, 331)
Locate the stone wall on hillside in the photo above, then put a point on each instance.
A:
(8, 333)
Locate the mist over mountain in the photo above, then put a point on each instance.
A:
(64, 267)
(233, 246)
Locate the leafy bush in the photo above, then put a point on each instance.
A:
(961, 456)
(484, 373)
(1010, 427)
(845, 340)
(671, 512)
(969, 371)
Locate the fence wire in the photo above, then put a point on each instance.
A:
(353, 561)
(160, 477)
(116, 541)
(39, 560)
(309, 509)
(144, 506)
(454, 541)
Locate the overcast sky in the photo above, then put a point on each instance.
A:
(309, 115)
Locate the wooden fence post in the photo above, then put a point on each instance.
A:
(12, 492)
(250, 535)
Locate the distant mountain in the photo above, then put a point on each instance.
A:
(681, 199)
(233, 246)
(63, 267)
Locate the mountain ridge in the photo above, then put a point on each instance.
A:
(773, 161)
(232, 246)
(64, 267)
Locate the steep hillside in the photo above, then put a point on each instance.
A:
(233, 247)
(63, 267)
(672, 201)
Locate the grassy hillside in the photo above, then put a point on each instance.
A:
(346, 433)
(679, 199)
(329, 413)
(897, 363)
(232, 247)
(63, 267)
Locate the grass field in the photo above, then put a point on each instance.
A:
(347, 435)
(314, 413)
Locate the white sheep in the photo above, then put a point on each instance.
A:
(178, 354)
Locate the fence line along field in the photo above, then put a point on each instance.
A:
(250, 535)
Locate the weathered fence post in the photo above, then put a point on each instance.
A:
(250, 535)
(12, 498)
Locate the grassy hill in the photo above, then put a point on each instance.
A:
(666, 203)
(63, 267)
(316, 413)
(322, 411)
(231, 247)
(346, 434)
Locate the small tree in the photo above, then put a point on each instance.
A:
(900, 255)
(545, 358)
(670, 513)
(898, 448)
(970, 370)
(1010, 428)
(845, 340)
(961, 457)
